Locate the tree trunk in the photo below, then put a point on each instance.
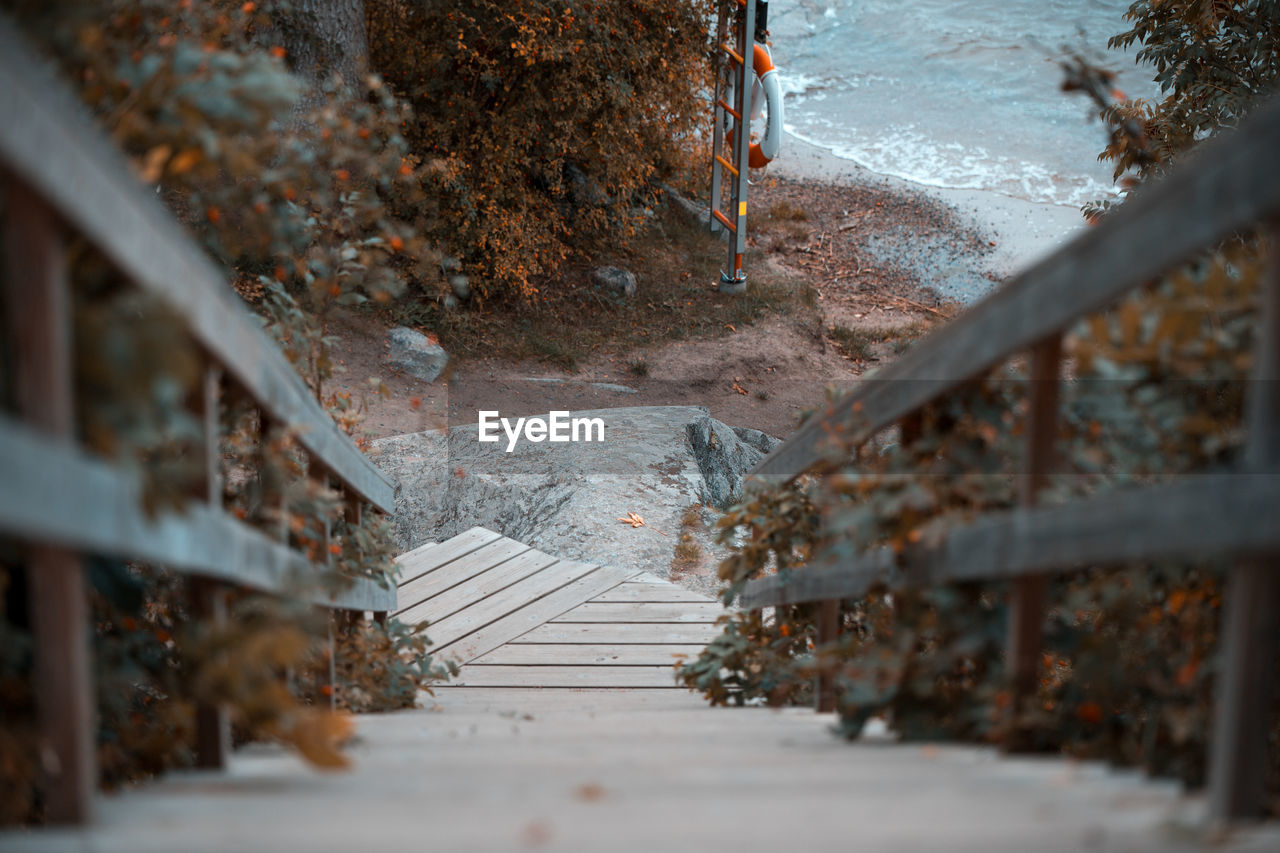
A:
(328, 37)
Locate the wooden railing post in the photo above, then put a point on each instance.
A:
(208, 598)
(1027, 594)
(38, 306)
(824, 692)
(1251, 617)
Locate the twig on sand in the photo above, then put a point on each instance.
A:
(902, 300)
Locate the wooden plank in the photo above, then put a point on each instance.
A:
(411, 595)
(471, 593)
(495, 607)
(1193, 517)
(1028, 594)
(208, 599)
(685, 611)
(579, 654)
(627, 632)
(49, 140)
(424, 558)
(652, 592)
(1224, 187)
(1251, 619)
(536, 613)
(474, 675)
(37, 306)
(824, 688)
(62, 495)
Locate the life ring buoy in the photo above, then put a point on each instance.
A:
(769, 85)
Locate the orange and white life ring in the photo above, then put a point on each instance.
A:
(766, 92)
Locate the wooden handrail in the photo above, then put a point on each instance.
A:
(56, 493)
(47, 139)
(1231, 184)
(1226, 186)
(61, 176)
(1194, 517)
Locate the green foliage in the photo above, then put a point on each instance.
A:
(550, 118)
(1214, 61)
(385, 668)
(753, 660)
(1159, 385)
(313, 200)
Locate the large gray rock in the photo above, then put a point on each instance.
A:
(615, 280)
(722, 457)
(567, 498)
(415, 354)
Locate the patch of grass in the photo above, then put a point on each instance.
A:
(688, 551)
(901, 339)
(638, 367)
(787, 211)
(856, 343)
(554, 351)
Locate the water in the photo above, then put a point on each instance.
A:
(953, 93)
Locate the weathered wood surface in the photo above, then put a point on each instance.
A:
(36, 299)
(596, 675)
(431, 556)
(57, 494)
(1251, 620)
(641, 771)
(47, 138)
(412, 594)
(559, 574)
(537, 612)
(499, 616)
(475, 590)
(1226, 185)
(617, 611)
(636, 591)
(1194, 516)
(627, 632)
(581, 654)
(1028, 594)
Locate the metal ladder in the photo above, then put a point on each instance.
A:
(734, 72)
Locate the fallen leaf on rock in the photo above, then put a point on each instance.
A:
(589, 792)
(632, 519)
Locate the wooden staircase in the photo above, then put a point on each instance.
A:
(515, 616)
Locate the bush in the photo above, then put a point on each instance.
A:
(550, 118)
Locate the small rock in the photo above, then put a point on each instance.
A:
(416, 355)
(615, 279)
(461, 286)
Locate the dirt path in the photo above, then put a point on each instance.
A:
(865, 253)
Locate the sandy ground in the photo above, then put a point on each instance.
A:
(1023, 232)
(882, 254)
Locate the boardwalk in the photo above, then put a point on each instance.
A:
(516, 617)
(651, 771)
(565, 731)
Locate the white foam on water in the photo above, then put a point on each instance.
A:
(962, 95)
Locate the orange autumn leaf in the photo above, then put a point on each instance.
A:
(1089, 712)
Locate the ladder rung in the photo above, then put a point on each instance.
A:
(730, 110)
(727, 165)
(725, 220)
(736, 57)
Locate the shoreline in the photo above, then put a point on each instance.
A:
(1022, 231)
